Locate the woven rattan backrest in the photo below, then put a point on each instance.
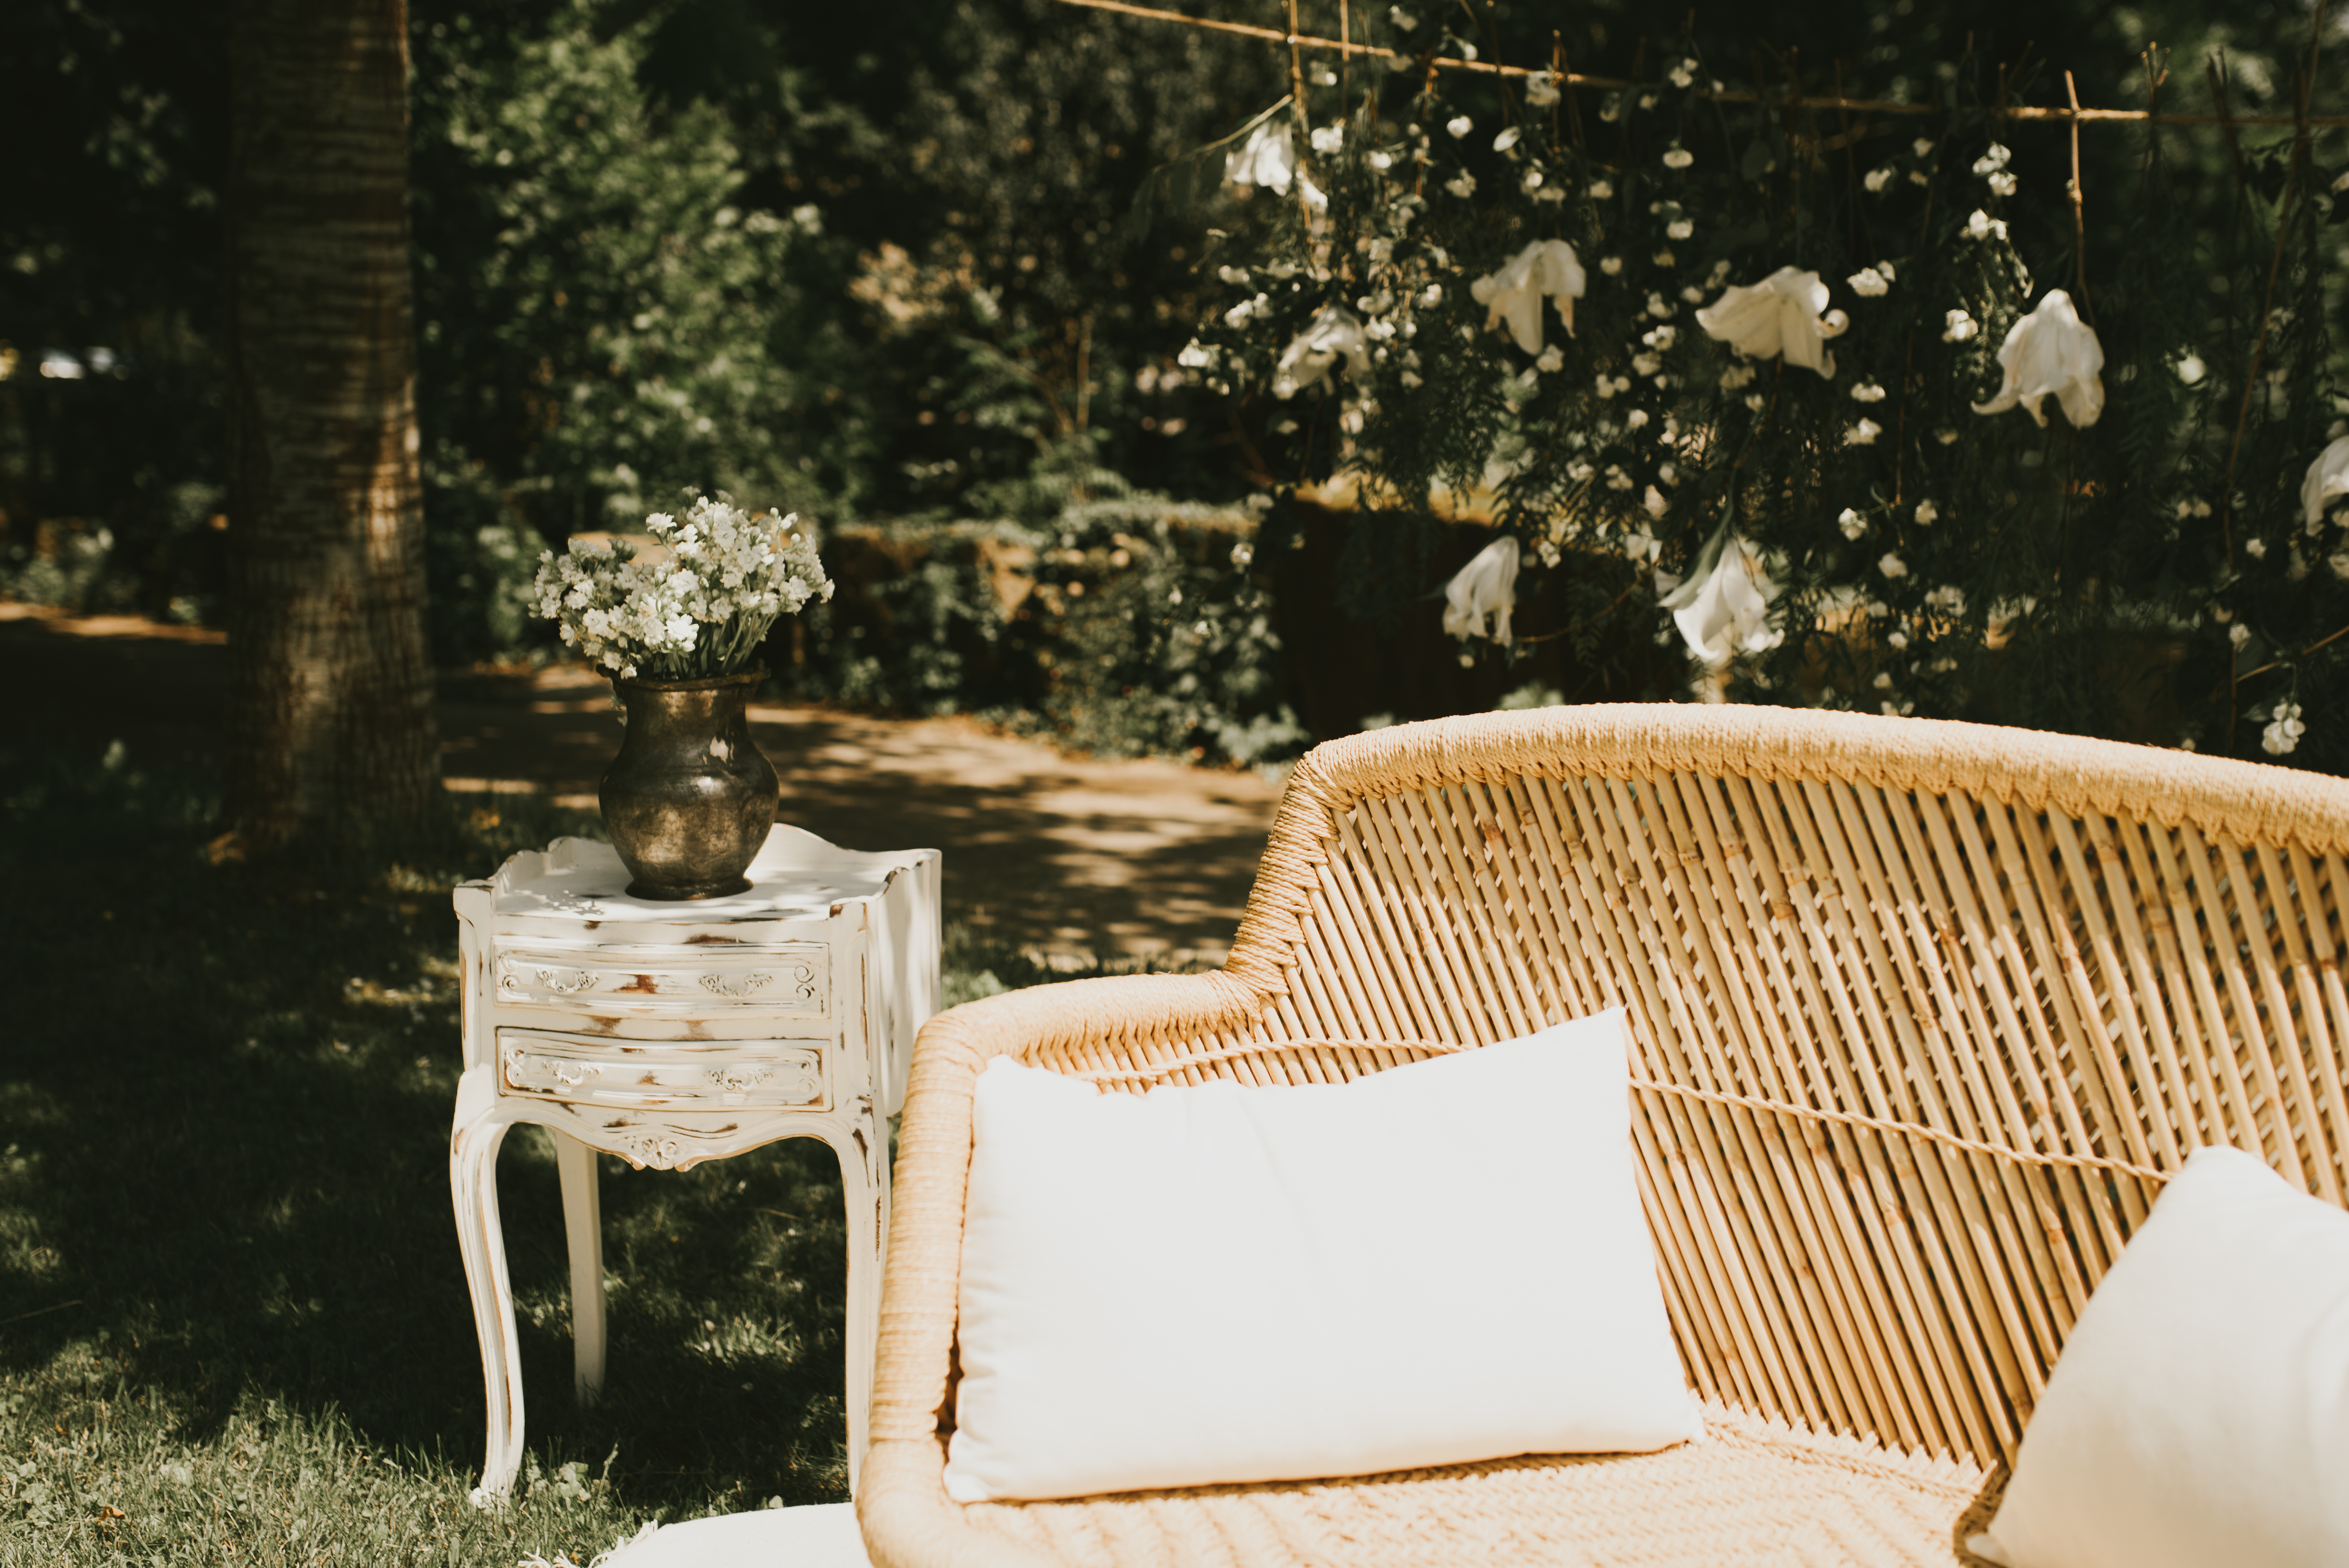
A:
(1924, 1012)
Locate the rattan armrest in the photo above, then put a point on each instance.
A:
(903, 1507)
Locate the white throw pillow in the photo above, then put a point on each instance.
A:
(2200, 1413)
(1438, 1264)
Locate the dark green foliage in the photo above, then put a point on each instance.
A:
(2149, 577)
(1130, 626)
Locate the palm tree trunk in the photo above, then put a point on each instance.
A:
(330, 727)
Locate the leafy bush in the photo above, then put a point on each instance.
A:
(1131, 625)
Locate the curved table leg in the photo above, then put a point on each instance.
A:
(475, 1133)
(583, 1227)
(865, 1185)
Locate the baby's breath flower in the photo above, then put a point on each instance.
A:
(1892, 566)
(1460, 125)
(1678, 157)
(1611, 265)
(1926, 512)
(1868, 282)
(1852, 523)
(1876, 180)
(1863, 434)
(1867, 392)
(2284, 732)
(1463, 184)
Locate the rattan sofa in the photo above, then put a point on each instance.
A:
(1923, 1014)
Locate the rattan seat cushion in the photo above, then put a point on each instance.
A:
(1749, 1494)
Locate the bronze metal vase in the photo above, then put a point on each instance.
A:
(690, 799)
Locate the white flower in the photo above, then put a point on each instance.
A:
(1646, 364)
(1486, 586)
(2257, 548)
(1992, 161)
(1460, 126)
(1617, 479)
(1329, 138)
(1868, 283)
(1403, 20)
(1684, 74)
(1949, 599)
(1333, 331)
(2191, 369)
(1463, 184)
(1666, 258)
(2238, 634)
(1926, 512)
(1957, 326)
(1635, 419)
(1724, 607)
(2328, 476)
(1867, 392)
(1507, 139)
(1893, 566)
(1514, 294)
(1431, 296)
(2052, 350)
(1611, 265)
(1921, 147)
(1580, 471)
(1877, 180)
(1678, 158)
(1531, 182)
(1541, 90)
(1863, 434)
(1946, 437)
(1982, 225)
(1381, 162)
(2282, 733)
(2002, 184)
(1654, 502)
(1268, 158)
(1780, 314)
(1603, 190)
(1852, 523)
(1737, 378)
(1552, 359)
(1679, 229)
(1193, 357)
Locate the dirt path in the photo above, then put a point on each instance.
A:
(1064, 854)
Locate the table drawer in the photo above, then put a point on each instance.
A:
(759, 1075)
(786, 978)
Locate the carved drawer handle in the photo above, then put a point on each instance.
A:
(584, 981)
(719, 985)
(740, 1080)
(571, 1073)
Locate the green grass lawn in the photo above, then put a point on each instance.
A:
(234, 1327)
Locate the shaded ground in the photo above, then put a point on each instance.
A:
(1059, 853)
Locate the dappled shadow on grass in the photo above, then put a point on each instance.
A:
(224, 1100)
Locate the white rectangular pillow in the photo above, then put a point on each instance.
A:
(2198, 1416)
(1441, 1263)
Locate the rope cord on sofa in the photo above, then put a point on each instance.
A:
(1161, 1071)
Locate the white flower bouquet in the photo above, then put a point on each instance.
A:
(699, 610)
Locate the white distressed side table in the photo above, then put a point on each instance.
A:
(669, 1034)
